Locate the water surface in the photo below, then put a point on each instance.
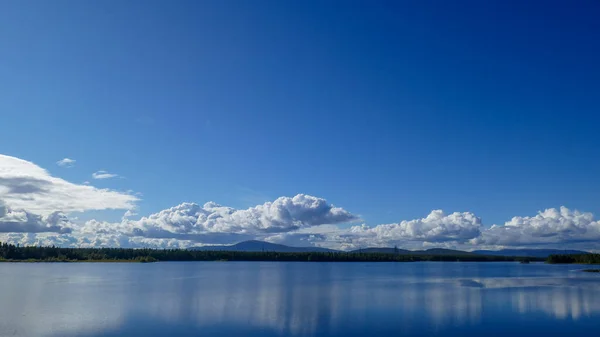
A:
(297, 299)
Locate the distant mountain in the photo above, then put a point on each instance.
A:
(260, 246)
(433, 251)
(543, 253)
(442, 251)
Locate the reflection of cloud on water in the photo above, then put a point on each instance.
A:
(284, 299)
(568, 302)
(451, 306)
(39, 306)
(471, 283)
(566, 297)
(255, 295)
(525, 282)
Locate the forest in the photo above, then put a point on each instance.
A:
(9, 252)
(574, 258)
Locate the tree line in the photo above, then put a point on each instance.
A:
(10, 252)
(574, 258)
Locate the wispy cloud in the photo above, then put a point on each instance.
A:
(104, 175)
(66, 162)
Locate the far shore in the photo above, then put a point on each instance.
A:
(31, 254)
(73, 261)
(149, 260)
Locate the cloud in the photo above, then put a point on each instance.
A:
(297, 239)
(103, 175)
(436, 227)
(66, 162)
(34, 208)
(128, 214)
(26, 186)
(189, 224)
(551, 226)
(12, 221)
(285, 214)
(326, 236)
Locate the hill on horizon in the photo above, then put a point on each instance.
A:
(432, 251)
(260, 246)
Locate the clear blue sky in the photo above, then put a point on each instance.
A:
(389, 109)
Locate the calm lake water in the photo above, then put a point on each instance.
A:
(297, 299)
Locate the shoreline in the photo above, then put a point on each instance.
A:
(75, 261)
(438, 259)
(266, 260)
(32, 254)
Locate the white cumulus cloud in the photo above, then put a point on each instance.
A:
(189, 224)
(66, 162)
(436, 227)
(26, 186)
(21, 221)
(34, 209)
(551, 226)
(285, 214)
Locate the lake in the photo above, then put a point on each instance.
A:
(297, 299)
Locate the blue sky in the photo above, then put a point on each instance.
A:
(387, 109)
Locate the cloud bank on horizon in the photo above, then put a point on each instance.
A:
(35, 208)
